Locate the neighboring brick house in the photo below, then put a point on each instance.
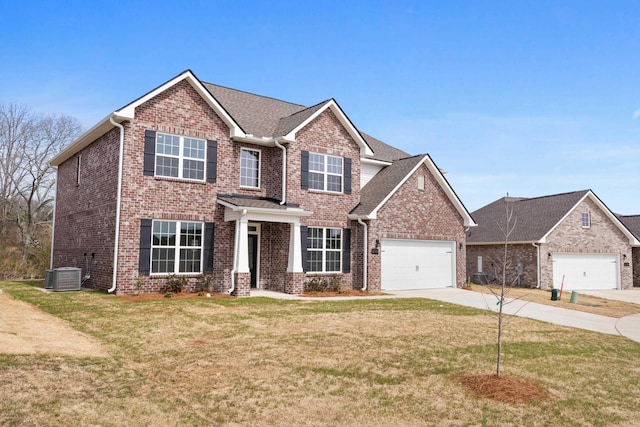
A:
(632, 222)
(195, 178)
(571, 240)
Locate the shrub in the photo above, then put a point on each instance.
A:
(334, 284)
(176, 284)
(317, 284)
(204, 283)
(325, 284)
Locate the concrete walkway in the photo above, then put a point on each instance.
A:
(628, 326)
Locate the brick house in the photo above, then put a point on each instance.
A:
(571, 240)
(632, 222)
(194, 178)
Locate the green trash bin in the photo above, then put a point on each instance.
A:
(574, 297)
(554, 295)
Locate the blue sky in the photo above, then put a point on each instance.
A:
(530, 98)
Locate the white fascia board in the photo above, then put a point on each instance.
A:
(128, 113)
(289, 215)
(129, 110)
(453, 198)
(365, 150)
(84, 140)
(374, 161)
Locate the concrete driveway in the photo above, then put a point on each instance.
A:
(625, 295)
(628, 326)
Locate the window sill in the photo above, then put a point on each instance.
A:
(172, 179)
(331, 193)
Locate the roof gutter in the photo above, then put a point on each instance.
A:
(118, 202)
(284, 170)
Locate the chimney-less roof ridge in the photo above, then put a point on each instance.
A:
(258, 95)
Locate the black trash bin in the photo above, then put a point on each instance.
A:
(554, 295)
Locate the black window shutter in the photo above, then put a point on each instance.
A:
(304, 237)
(208, 247)
(212, 160)
(304, 170)
(144, 263)
(346, 250)
(149, 152)
(347, 175)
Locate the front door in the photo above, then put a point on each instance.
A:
(253, 259)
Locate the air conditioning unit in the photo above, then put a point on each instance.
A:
(63, 279)
(48, 279)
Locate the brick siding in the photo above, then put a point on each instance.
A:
(602, 237)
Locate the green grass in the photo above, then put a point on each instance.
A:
(258, 361)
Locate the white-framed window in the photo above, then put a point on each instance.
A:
(176, 247)
(325, 172)
(324, 252)
(586, 220)
(180, 156)
(249, 168)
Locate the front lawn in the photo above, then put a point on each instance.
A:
(259, 361)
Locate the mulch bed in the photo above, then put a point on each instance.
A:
(504, 388)
(348, 293)
(161, 296)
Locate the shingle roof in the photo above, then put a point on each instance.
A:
(632, 222)
(256, 114)
(534, 217)
(383, 183)
(383, 151)
(262, 116)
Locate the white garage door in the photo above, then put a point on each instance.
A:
(417, 264)
(585, 271)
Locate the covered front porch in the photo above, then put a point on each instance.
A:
(267, 247)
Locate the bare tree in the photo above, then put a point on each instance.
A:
(36, 178)
(507, 226)
(17, 126)
(27, 143)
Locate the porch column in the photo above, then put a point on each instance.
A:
(243, 245)
(295, 249)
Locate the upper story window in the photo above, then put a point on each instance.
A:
(176, 247)
(249, 168)
(180, 156)
(324, 252)
(325, 172)
(586, 220)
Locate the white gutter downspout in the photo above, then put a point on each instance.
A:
(364, 258)
(236, 246)
(53, 225)
(118, 200)
(538, 266)
(284, 170)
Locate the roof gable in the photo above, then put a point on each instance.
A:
(128, 113)
(387, 182)
(536, 217)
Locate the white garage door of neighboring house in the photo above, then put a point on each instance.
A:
(585, 271)
(417, 264)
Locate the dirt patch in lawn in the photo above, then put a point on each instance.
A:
(503, 388)
(585, 303)
(25, 329)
